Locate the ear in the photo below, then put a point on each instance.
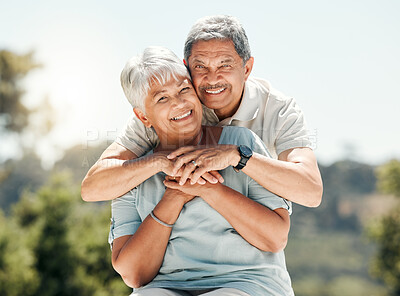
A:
(142, 117)
(248, 67)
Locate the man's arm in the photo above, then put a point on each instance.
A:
(260, 226)
(294, 176)
(117, 171)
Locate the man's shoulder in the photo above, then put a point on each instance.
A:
(263, 90)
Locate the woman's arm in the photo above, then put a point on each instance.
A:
(138, 258)
(265, 229)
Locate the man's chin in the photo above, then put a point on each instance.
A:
(213, 103)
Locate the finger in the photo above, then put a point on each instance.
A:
(187, 171)
(179, 172)
(201, 181)
(170, 178)
(217, 175)
(183, 160)
(180, 151)
(201, 172)
(209, 178)
(171, 184)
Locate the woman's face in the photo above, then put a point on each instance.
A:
(174, 110)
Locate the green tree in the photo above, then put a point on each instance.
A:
(22, 126)
(389, 178)
(386, 232)
(19, 175)
(18, 275)
(13, 67)
(67, 240)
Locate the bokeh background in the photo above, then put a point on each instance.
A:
(61, 105)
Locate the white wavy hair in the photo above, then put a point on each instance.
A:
(155, 64)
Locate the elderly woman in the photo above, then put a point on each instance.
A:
(192, 239)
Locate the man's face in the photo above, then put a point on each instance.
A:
(218, 75)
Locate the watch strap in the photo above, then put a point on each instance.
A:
(243, 159)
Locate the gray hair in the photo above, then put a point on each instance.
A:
(156, 64)
(222, 27)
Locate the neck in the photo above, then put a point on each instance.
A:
(173, 143)
(229, 111)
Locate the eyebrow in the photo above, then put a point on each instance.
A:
(224, 60)
(158, 92)
(178, 84)
(197, 61)
(228, 60)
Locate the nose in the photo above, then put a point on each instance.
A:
(212, 77)
(178, 101)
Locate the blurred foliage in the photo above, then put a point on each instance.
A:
(326, 254)
(55, 244)
(389, 178)
(19, 175)
(52, 243)
(330, 264)
(341, 180)
(79, 159)
(17, 273)
(13, 67)
(386, 231)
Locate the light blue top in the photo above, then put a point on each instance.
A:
(204, 250)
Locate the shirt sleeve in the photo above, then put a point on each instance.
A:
(125, 219)
(137, 138)
(290, 126)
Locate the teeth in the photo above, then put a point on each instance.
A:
(214, 91)
(182, 116)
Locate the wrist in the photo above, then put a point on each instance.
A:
(210, 191)
(160, 161)
(245, 154)
(168, 209)
(234, 156)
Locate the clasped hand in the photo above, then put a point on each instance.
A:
(188, 190)
(201, 164)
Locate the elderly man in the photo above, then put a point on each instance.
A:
(218, 56)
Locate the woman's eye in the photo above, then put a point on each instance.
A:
(225, 66)
(185, 89)
(199, 67)
(161, 99)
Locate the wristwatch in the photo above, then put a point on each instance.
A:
(245, 154)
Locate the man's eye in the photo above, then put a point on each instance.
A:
(162, 99)
(199, 67)
(226, 66)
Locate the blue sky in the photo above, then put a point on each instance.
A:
(339, 59)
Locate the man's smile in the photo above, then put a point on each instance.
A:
(214, 92)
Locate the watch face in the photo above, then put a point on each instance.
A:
(245, 151)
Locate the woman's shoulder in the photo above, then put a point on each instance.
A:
(237, 135)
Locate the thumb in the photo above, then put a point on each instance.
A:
(171, 184)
